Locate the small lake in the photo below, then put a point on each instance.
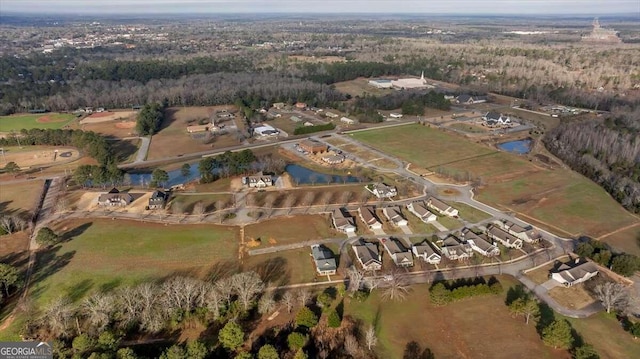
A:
(175, 177)
(303, 175)
(520, 147)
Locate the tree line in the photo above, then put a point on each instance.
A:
(226, 164)
(150, 119)
(606, 152)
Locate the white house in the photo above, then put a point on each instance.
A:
(395, 115)
(347, 120)
(258, 181)
(115, 198)
(330, 114)
(571, 273)
(454, 249)
(495, 118)
(395, 216)
(367, 255)
(508, 240)
(527, 233)
(441, 207)
(470, 100)
(265, 130)
(368, 216)
(343, 222)
(381, 190)
(426, 252)
(421, 211)
(480, 243)
(398, 252)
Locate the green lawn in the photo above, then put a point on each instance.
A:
(450, 222)
(416, 225)
(283, 268)
(421, 145)
(28, 121)
(470, 214)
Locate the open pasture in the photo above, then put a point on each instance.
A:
(20, 197)
(294, 229)
(50, 120)
(33, 156)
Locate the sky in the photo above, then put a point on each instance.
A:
(463, 7)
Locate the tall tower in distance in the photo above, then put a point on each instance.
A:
(601, 35)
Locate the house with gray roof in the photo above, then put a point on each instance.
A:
(158, 199)
(419, 208)
(324, 260)
(574, 272)
(398, 251)
(367, 255)
(500, 235)
(426, 252)
(480, 243)
(368, 216)
(381, 190)
(455, 249)
(526, 233)
(441, 207)
(343, 221)
(115, 198)
(395, 216)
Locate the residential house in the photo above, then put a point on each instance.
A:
(115, 198)
(395, 115)
(480, 243)
(301, 105)
(258, 181)
(508, 240)
(527, 233)
(324, 260)
(331, 114)
(308, 124)
(455, 249)
(158, 199)
(399, 253)
(343, 221)
(265, 130)
(466, 99)
(426, 252)
(313, 146)
(381, 190)
(420, 210)
(279, 105)
(441, 207)
(347, 121)
(395, 216)
(574, 272)
(367, 255)
(495, 118)
(368, 216)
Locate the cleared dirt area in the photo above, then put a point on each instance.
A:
(117, 129)
(173, 139)
(108, 116)
(470, 328)
(20, 197)
(30, 156)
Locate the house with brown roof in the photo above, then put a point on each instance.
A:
(526, 233)
(398, 251)
(419, 208)
(343, 221)
(455, 249)
(480, 243)
(441, 207)
(368, 216)
(115, 198)
(426, 252)
(574, 272)
(367, 255)
(508, 240)
(313, 146)
(395, 216)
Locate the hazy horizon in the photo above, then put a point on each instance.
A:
(454, 7)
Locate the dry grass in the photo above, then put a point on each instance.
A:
(282, 268)
(605, 333)
(20, 197)
(117, 129)
(35, 156)
(575, 297)
(541, 274)
(359, 87)
(294, 229)
(627, 240)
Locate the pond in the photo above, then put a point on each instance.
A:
(303, 175)
(175, 177)
(520, 147)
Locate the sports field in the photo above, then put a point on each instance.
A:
(104, 254)
(559, 200)
(37, 120)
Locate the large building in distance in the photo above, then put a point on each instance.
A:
(401, 84)
(601, 35)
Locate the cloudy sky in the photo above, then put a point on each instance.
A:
(524, 7)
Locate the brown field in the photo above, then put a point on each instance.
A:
(359, 87)
(286, 230)
(125, 150)
(19, 197)
(541, 274)
(316, 59)
(109, 116)
(626, 240)
(283, 268)
(173, 138)
(30, 156)
(468, 127)
(470, 328)
(118, 129)
(575, 297)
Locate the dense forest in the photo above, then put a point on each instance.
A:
(607, 152)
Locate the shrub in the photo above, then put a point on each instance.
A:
(306, 318)
(333, 319)
(311, 129)
(297, 340)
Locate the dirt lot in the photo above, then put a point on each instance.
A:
(360, 86)
(109, 116)
(173, 138)
(118, 128)
(32, 156)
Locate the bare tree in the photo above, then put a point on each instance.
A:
(612, 295)
(370, 337)
(151, 316)
(220, 208)
(303, 296)
(308, 198)
(57, 317)
(177, 207)
(225, 289)
(129, 305)
(345, 197)
(266, 304)
(246, 285)
(269, 201)
(326, 198)
(356, 279)
(396, 287)
(199, 210)
(351, 345)
(290, 200)
(62, 205)
(212, 299)
(99, 309)
(288, 299)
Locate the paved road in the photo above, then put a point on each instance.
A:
(143, 150)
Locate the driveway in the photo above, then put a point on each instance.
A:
(550, 284)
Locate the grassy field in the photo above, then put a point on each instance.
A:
(471, 328)
(37, 120)
(125, 150)
(575, 297)
(291, 230)
(13, 251)
(103, 254)
(470, 214)
(173, 138)
(359, 87)
(627, 240)
(558, 200)
(283, 268)
(209, 201)
(607, 336)
(450, 222)
(19, 197)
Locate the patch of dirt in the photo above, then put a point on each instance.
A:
(107, 116)
(125, 124)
